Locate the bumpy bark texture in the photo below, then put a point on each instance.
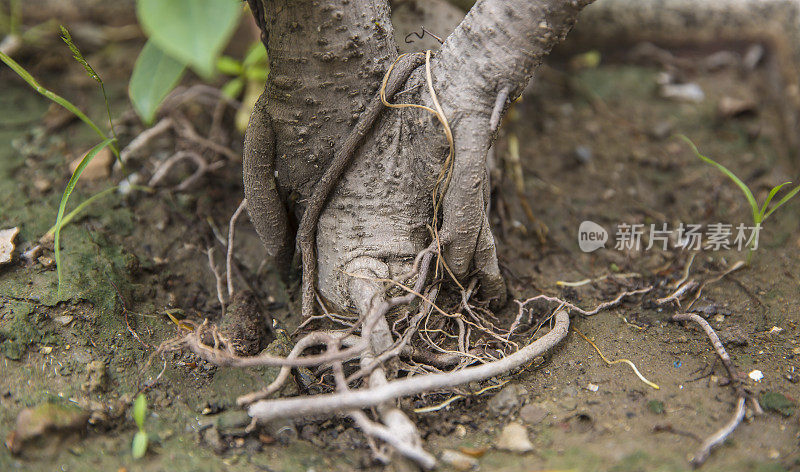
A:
(327, 59)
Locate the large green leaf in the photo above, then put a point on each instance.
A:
(155, 74)
(192, 31)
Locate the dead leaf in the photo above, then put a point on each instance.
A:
(7, 237)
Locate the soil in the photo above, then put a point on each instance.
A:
(594, 144)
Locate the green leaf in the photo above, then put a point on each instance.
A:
(65, 197)
(192, 31)
(154, 75)
(771, 195)
(257, 54)
(747, 193)
(233, 88)
(139, 446)
(139, 410)
(230, 66)
(782, 201)
(256, 73)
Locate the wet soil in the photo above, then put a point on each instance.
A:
(594, 144)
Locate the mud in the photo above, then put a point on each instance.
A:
(128, 260)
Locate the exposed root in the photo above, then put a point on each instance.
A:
(719, 437)
(462, 344)
(229, 252)
(618, 361)
(202, 168)
(686, 286)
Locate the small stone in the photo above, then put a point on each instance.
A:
(7, 246)
(733, 336)
(756, 375)
(42, 184)
(32, 254)
(730, 107)
(514, 437)
(98, 168)
(583, 154)
(532, 413)
(46, 261)
(569, 404)
(458, 460)
(592, 387)
(662, 130)
(45, 424)
(63, 320)
(507, 400)
(690, 92)
(460, 431)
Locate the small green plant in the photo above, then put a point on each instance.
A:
(108, 141)
(139, 445)
(253, 67)
(180, 34)
(760, 214)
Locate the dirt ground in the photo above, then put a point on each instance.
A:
(594, 144)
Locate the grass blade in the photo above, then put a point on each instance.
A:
(71, 215)
(747, 193)
(20, 71)
(65, 197)
(76, 53)
(782, 201)
(771, 195)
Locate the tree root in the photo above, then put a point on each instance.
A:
(439, 353)
(719, 437)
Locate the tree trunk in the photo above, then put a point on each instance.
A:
(327, 60)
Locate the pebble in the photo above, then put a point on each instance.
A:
(583, 154)
(756, 375)
(42, 184)
(532, 413)
(507, 400)
(50, 421)
(569, 404)
(458, 460)
(46, 261)
(514, 437)
(662, 130)
(690, 92)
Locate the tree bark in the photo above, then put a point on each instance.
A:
(327, 60)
